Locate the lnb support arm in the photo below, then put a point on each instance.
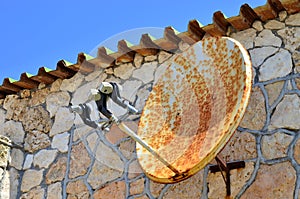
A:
(116, 97)
(111, 90)
(101, 95)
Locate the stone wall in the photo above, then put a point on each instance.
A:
(62, 158)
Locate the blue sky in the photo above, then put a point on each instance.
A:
(39, 33)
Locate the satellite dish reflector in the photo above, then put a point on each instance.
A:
(194, 109)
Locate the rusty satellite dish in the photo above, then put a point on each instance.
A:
(194, 109)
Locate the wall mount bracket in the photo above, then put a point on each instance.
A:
(223, 166)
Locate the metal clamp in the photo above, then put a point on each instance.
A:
(226, 167)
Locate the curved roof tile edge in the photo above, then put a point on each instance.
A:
(221, 26)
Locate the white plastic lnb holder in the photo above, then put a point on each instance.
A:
(106, 88)
(94, 95)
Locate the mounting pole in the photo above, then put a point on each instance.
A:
(226, 167)
(136, 138)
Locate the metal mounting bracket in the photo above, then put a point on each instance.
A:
(226, 167)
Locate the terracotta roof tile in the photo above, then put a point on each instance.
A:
(149, 46)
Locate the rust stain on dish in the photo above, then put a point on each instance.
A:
(194, 108)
